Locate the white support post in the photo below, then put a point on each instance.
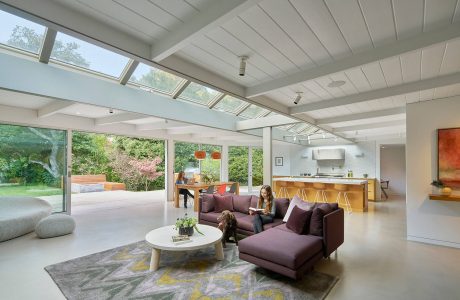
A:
(267, 156)
(250, 169)
(68, 174)
(169, 176)
(224, 164)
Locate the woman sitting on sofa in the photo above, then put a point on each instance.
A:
(267, 203)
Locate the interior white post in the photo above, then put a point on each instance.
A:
(250, 169)
(267, 156)
(68, 174)
(169, 176)
(224, 163)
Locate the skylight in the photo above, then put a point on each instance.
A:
(20, 33)
(155, 78)
(298, 127)
(229, 104)
(79, 53)
(253, 111)
(198, 93)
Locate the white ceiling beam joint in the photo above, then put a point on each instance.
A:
(362, 116)
(118, 118)
(128, 71)
(216, 14)
(162, 125)
(53, 108)
(47, 45)
(420, 41)
(180, 88)
(405, 88)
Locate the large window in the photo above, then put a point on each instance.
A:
(198, 93)
(156, 79)
(185, 158)
(20, 33)
(257, 167)
(209, 166)
(33, 163)
(238, 164)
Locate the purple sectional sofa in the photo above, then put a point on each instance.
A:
(279, 248)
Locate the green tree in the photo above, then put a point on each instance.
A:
(185, 156)
(257, 166)
(90, 154)
(238, 164)
(27, 39)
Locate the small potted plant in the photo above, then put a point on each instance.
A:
(186, 224)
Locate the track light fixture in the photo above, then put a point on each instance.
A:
(110, 110)
(243, 60)
(297, 99)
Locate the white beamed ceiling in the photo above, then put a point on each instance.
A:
(284, 37)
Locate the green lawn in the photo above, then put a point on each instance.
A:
(29, 190)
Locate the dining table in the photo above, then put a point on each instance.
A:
(196, 187)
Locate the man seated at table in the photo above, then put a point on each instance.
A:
(181, 179)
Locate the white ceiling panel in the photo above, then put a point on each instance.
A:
(315, 88)
(180, 9)
(318, 17)
(374, 75)
(348, 88)
(438, 13)
(350, 20)
(145, 121)
(358, 79)
(324, 81)
(411, 65)
(391, 68)
(432, 58)
(10, 98)
(378, 15)
(369, 121)
(89, 111)
(451, 62)
(238, 28)
(258, 20)
(408, 16)
(292, 23)
(426, 95)
(412, 97)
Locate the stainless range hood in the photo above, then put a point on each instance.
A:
(328, 154)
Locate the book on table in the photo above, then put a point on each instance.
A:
(257, 210)
(180, 239)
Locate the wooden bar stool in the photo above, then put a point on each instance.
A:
(320, 191)
(283, 190)
(343, 189)
(302, 190)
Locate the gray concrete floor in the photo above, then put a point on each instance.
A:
(375, 262)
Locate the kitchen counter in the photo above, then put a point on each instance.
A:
(357, 190)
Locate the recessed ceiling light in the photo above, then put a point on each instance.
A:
(336, 83)
(78, 113)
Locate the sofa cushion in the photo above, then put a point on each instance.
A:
(328, 207)
(282, 205)
(298, 220)
(241, 203)
(281, 247)
(222, 203)
(207, 203)
(210, 217)
(245, 223)
(276, 222)
(316, 222)
(296, 201)
(254, 200)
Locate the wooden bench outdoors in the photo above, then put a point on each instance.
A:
(98, 179)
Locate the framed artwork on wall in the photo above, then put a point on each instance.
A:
(278, 161)
(449, 157)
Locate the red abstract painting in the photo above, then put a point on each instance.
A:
(449, 157)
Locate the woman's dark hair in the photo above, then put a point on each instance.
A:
(180, 176)
(268, 189)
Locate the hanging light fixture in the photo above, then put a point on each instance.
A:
(243, 60)
(200, 154)
(216, 155)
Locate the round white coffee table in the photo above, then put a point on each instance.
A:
(161, 239)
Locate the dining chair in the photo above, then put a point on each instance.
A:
(221, 189)
(233, 188)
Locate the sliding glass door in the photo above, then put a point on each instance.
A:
(33, 163)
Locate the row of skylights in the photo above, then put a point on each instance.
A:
(21, 34)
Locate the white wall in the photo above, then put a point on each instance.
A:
(429, 221)
(393, 168)
(283, 151)
(359, 157)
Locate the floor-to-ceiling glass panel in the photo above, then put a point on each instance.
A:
(210, 167)
(238, 164)
(185, 160)
(33, 163)
(257, 168)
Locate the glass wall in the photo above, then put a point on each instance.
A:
(238, 164)
(211, 167)
(185, 160)
(257, 168)
(33, 163)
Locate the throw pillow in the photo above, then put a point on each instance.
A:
(222, 203)
(296, 201)
(207, 203)
(299, 219)
(316, 222)
(282, 205)
(329, 207)
(241, 203)
(254, 200)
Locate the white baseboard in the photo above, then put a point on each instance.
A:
(433, 242)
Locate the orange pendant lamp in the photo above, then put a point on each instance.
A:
(216, 155)
(200, 154)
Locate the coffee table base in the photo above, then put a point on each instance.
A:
(155, 259)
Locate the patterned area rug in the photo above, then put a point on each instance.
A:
(123, 273)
